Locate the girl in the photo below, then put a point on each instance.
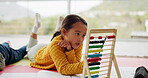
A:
(64, 51)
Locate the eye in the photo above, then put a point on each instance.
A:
(77, 34)
(84, 35)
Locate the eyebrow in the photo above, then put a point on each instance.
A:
(77, 31)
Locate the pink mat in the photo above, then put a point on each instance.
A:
(20, 69)
(132, 62)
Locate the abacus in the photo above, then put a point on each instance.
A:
(99, 53)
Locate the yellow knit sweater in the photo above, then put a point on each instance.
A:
(54, 56)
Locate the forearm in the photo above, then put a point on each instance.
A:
(70, 69)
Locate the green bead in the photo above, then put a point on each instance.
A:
(96, 46)
(94, 68)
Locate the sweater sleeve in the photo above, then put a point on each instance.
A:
(61, 62)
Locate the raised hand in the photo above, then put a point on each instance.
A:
(65, 44)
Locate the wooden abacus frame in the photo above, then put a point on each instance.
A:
(112, 58)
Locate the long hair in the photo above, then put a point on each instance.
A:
(68, 21)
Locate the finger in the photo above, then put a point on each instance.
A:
(62, 44)
(65, 45)
(59, 43)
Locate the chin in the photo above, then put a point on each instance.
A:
(75, 47)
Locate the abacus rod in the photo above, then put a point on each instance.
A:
(105, 62)
(107, 49)
(103, 70)
(102, 49)
(109, 40)
(102, 74)
(105, 57)
(100, 66)
(106, 54)
(107, 45)
(103, 66)
(103, 77)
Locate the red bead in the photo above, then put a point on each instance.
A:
(94, 59)
(100, 37)
(112, 36)
(92, 37)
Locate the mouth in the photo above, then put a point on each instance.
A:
(77, 44)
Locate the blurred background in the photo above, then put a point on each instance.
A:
(130, 17)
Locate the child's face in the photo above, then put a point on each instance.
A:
(76, 34)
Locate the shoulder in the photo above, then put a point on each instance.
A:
(56, 40)
(54, 43)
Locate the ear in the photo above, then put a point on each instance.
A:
(63, 31)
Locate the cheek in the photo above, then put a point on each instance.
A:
(68, 37)
(82, 39)
(73, 40)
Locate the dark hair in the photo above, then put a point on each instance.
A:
(68, 21)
